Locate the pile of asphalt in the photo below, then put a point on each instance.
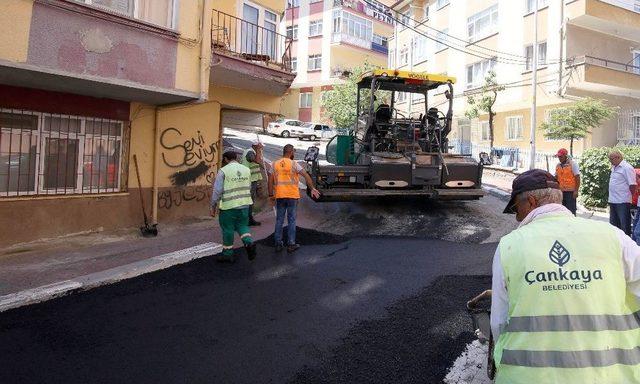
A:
(415, 343)
(306, 236)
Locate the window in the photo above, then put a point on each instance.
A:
(425, 13)
(482, 24)
(159, 12)
(306, 100)
(315, 28)
(352, 25)
(292, 32)
(294, 64)
(380, 40)
(57, 154)
(419, 49)
(392, 59)
(441, 40)
(484, 131)
(293, 3)
(514, 128)
(441, 3)
(315, 63)
(531, 4)
(402, 97)
(404, 56)
(542, 55)
(635, 125)
(636, 61)
(477, 72)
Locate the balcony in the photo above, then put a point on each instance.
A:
(595, 74)
(341, 37)
(619, 18)
(378, 12)
(249, 56)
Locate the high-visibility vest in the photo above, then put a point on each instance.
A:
(256, 173)
(571, 317)
(237, 186)
(286, 179)
(566, 178)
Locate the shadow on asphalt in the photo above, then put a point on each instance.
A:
(415, 343)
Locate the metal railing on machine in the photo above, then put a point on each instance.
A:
(262, 45)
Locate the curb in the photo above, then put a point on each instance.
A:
(496, 192)
(109, 276)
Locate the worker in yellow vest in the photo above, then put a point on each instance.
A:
(232, 196)
(252, 159)
(565, 294)
(568, 176)
(284, 190)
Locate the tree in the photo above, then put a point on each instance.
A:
(483, 101)
(340, 102)
(576, 120)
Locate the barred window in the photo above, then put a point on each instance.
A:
(43, 154)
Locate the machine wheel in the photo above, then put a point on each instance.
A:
(312, 138)
(285, 134)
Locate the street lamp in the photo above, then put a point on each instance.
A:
(534, 85)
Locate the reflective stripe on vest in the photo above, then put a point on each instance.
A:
(286, 179)
(256, 172)
(237, 186)
(565, 176)
(569, 306)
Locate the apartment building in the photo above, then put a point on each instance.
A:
(586, 48)
(329, 38)
(87, 86)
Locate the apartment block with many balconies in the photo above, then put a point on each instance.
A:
(329, 38)
(586, 48)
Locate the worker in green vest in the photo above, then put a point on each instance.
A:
(252, 158)
(565, 294)
(232, 196)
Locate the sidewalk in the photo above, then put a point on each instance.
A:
(498, 183)
(48, 268)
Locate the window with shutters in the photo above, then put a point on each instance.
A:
(514, 128)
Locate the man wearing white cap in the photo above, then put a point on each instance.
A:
(252, 159)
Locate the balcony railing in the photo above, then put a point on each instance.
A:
(341, 37)
(231, 35)
(625, 67)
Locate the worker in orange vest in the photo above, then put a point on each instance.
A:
(285, 193)
(568, 176)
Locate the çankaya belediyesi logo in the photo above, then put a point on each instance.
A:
(575, 278)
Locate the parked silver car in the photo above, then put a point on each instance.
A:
(313, 131)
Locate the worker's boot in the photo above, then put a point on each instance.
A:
(251, 251)
(292, 248)
(222, 258)
(253, 222)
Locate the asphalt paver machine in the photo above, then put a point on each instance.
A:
(391, 153)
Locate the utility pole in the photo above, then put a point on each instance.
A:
(534, 86)
(561, 54)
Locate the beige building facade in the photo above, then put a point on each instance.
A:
(586, 48)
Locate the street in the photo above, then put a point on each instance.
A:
(376, 294)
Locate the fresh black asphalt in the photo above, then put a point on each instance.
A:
(363, 310)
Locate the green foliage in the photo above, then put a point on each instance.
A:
(576, 120)
(595, 170)
(483, 101)
(340, 102)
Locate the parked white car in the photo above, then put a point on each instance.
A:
(313, 131)
(283, 127)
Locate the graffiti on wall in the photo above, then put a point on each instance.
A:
(174, 197)
(193, 159)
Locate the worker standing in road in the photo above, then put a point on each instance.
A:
(565, 294)
(232, 195)
(568, 175)
(283, 187)
(252, 159)
(622, 186)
